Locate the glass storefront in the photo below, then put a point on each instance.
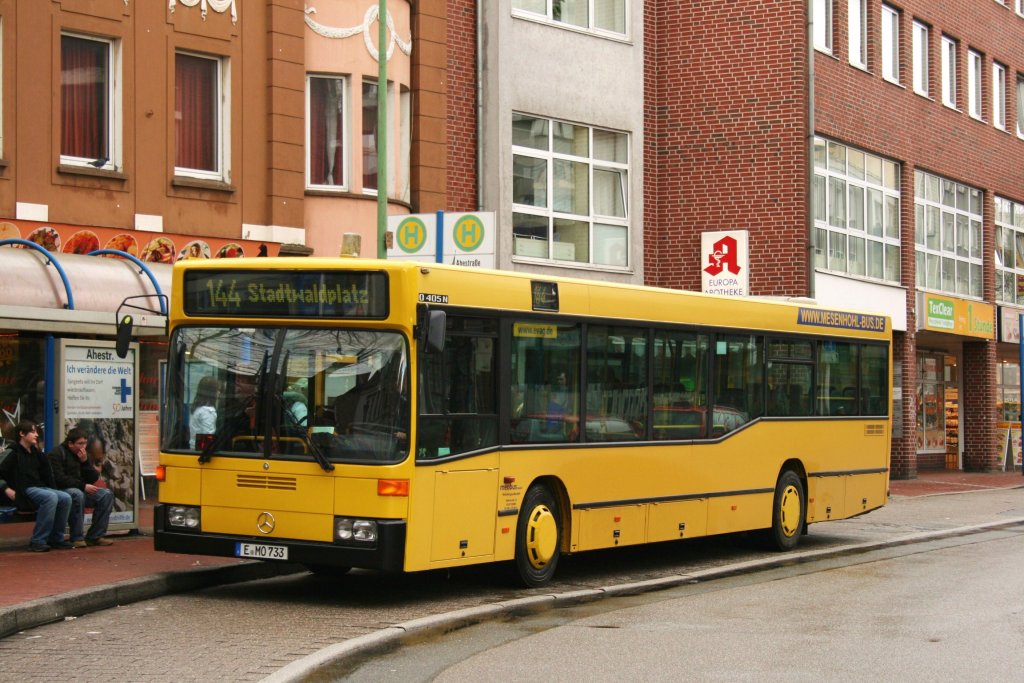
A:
(1008, 392)
(22, 367)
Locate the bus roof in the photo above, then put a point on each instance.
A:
(463, 287)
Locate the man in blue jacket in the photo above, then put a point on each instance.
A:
(75, 474)
(29, 483)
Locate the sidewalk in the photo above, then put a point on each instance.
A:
(44, 587)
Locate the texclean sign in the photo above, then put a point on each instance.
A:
(956, 316)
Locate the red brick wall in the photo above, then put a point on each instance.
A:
(726, 126)
(462, 101)
(860, 108)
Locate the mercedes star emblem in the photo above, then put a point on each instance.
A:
(265, 523)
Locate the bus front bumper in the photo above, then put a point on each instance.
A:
(387, 554)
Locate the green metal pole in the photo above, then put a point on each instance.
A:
(382, 130)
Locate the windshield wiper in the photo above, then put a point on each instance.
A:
(318, 454)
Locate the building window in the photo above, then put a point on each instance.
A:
(1009, 243)
(856, 203)
(823, 25)
(89, 108)
(326, 133)
(920, 58)
(370, 110)
(599, 16)
(1020, 105)
(858, 33)
(999, 96)
(974, 84)
(398, 142)
(890, 44)
(947, 235)
(949, 72)
(570, 192)
(201, 115)
(1020, 7)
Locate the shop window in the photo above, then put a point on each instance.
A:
(22, 363)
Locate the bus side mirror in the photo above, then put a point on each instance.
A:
(124, 336)
(436, 326)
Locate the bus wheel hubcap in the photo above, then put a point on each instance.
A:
(541, 536)
(789, 510)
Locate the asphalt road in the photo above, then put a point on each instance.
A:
(945, 610)
(245, 632)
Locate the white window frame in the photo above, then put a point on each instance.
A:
(974, 84)
(545, 11)
(949, 72)
(592, 218)
(223, 146)
(998, 96)
(1020, 105)
(831, 238)
(115, 120)
(1009, 220)
(823, 25)
(1020, 7)
(890, 44)
(921, 33)
(858, 33)
(959, 206)
(344, 135)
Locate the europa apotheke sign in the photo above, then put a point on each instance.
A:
(725, 262)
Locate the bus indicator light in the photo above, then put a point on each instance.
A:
(393, 487)
(161, 473)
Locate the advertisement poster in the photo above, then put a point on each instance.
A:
(1015, 447)
(98, 396)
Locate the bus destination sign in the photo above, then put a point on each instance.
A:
(286, 294)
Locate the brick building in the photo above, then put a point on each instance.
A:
(863, 145)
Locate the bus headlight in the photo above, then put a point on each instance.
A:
(183, 517)
(358, 530)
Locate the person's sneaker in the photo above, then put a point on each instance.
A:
(99, 541)
(63, 545)
(39, 548)
(78, 544)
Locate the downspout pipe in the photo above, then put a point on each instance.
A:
(809, 217)
(479, 107)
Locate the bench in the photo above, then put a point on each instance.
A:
(10, 515)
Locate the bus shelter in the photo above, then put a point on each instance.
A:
(58, 368)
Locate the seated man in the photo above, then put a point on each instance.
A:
(27, 481)
(75, 473)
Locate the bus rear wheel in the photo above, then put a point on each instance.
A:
(538, 538)
(789, 512)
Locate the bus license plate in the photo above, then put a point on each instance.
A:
(261, 552)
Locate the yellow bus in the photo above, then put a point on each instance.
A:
(344, 413)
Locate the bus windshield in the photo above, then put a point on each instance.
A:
(326, 395)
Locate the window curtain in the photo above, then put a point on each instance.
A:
(195, 113)
(370, 136)
(83, 85)
(326, 146)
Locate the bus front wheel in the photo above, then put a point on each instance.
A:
(789, 511)
(538, 538)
